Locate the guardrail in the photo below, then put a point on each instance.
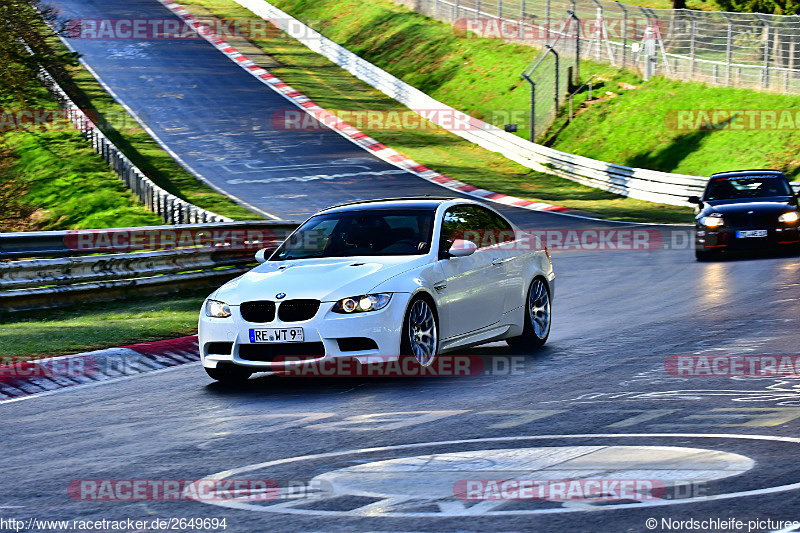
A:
(54, 268)
(643, 184)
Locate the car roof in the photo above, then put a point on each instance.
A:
(737, 173)
(413, 202)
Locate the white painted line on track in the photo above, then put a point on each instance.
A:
(638, 505)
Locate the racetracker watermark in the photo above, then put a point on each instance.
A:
(12, 368)
(396, 119)
(175, 29)
(132, 239)
(578, 490)
(733, 119)
(63, 119)
(406, 366)
(733, 365)
(208, 490)
(600, 239)
(537, 29)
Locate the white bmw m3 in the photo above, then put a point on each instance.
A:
(415, 276)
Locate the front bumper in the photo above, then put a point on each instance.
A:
(725, 238)
(322, 335)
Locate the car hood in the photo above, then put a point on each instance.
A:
(327, 279)
(778, 205)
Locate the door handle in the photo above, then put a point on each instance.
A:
(497, 261)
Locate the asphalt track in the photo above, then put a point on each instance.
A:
(216, 118)
(599, 382)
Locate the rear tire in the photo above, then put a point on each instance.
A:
(537, 317)
(229, 374)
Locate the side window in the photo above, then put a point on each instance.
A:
(474, 223)
(492, 228)
(455, 224)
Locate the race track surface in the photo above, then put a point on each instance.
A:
(384, 454)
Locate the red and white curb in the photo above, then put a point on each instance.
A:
(346, 130)
(22, 379)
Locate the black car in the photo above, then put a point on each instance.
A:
(745, 210)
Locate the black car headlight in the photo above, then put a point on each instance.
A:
(217, 309)
(789, 217)
(362, 304)
(714, 220)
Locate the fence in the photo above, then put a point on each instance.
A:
(53, 268)
(172, 209)
(745, 50)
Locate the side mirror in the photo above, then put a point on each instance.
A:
(261, 255)
(695, 200)
(462, 248)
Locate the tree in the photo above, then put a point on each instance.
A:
(775, 7)
(33, 24)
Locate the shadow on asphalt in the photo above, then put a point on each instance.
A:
(749, 255)
(483, 364)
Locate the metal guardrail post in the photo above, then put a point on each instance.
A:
(692, 42)
(728, 49)
(765, 71)
(553, 51)
(624, 33)
(533, 106)
(577, 78)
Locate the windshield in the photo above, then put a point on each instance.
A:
(747, 187)
(377, 232)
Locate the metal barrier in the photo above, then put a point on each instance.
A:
(54, 268)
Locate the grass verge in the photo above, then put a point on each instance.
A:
(636, 123)
(94, 326)
(393, 37)
(52, 179)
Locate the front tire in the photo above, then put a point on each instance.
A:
(229, 374)
(420, 335)
(537, 317)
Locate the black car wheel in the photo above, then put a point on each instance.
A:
(229, 374)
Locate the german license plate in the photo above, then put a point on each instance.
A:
(746, 234)
(276, 335)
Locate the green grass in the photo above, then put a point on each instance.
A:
(396, 39)
(99, 325)
(637, 127)
(53, 180)
(69, 185)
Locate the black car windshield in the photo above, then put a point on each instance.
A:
(379, 232)
(747, 187)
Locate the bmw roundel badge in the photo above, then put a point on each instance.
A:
(280, 295)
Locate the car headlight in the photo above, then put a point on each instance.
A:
(362, 304)
(789, 217)
(217, 309)
(714, 220)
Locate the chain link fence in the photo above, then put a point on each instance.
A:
(743, 50)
